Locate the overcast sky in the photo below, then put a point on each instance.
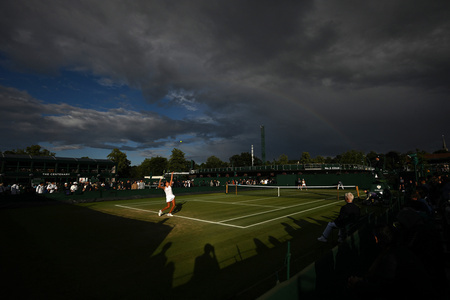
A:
(80, 78)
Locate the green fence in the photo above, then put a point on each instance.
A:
(290, 167)
(363, 181)
(112, 194)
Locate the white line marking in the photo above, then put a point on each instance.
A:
(235, 203)
(270, 211)
(146, 203)
(237, 226)
(258, 199)
(212, 222)
(300, 212)
(183, 217)
(134, 208)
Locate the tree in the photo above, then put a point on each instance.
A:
(282, 160)
(351, 157)
(177, 161)
(123, 164)
(305, 158)
(154, 166)
(393, 161)
(319, 160)
(244, 160)
(33, 150)
(214, 162)
(136, 172)
(145, 168)
(330, 160)
(371, 158)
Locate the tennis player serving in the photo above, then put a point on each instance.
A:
(170, 197)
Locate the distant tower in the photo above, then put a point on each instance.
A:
(444, 146)
(263, 145)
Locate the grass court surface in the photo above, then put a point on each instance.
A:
(216, 246)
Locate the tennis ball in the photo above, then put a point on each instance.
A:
(181, 141)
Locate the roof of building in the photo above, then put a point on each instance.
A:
(52, 158)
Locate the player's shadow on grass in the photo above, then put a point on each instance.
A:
(179, 206)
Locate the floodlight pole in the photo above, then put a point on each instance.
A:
(263, 145)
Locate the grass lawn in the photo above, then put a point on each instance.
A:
(216, 246)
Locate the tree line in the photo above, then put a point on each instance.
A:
(158, 165)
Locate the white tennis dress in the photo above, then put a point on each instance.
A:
(169, 194)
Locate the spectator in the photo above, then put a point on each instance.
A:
(51, 187)
(15, 190)
(419, 204)
(127, 185)
(396, 273)
(141, 185)
(401, 186)
(74, 188)
(134, 185)
(87, 186)
(348, 214)
(2, 190)
(66, 189)
(40, 188)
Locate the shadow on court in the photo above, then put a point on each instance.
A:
(72, 252)
(179, 206)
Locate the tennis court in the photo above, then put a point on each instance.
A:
(248, 208)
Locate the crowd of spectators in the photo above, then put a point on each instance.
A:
(69, 188)
(252, 181)
(126, 185)
(411, 257)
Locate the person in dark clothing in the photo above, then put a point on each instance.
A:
(348, 214)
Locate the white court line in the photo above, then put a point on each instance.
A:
(211, 222)
(259, 199)
(134, 208)
(237, 226)
(300, 212)
(183, 217)
(163, 200)
(270, 211)
(235, 203)
(146, 203)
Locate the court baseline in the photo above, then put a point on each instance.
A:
(242, 217)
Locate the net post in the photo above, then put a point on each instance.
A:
(278, 191)
(236, 188)
(357, 191)
(226, 189)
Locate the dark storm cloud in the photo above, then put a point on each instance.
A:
(64, 124)
(321, 76)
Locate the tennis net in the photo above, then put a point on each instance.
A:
(330, 191)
